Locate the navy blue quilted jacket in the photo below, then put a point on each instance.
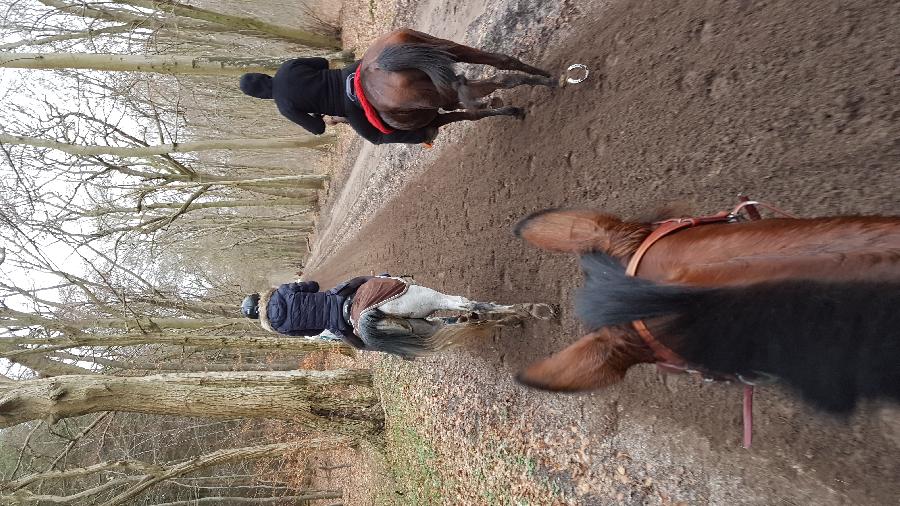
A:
(300, 309)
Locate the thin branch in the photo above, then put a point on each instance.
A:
(123, 465)
(72, 443)
(221, 457)
(23, 448)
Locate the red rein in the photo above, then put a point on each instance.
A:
(371, 113)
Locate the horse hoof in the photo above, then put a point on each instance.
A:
(542, 311)
(468, 318)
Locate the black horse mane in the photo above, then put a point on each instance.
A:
(437, 63)
(835, 342)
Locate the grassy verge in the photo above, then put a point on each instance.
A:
(429, 462)
(412, 461)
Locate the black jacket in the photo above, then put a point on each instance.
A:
(305, 89)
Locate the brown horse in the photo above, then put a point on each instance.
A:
(408, 76)
(812, 302)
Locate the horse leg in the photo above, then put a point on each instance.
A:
(420, 302)
(471, 92)
(426, 327)
(466, 54)
(474, 103)
(452, 117)
(429, 327)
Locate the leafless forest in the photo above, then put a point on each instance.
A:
(137, 209)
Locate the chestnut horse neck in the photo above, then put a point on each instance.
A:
(668, 359)
(668, 227)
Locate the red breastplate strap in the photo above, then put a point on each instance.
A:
(368, 109)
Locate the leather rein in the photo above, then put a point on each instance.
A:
(666, 358)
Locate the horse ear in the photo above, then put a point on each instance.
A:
(567, 230)
(591, 362)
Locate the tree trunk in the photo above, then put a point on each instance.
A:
(198, 307)
(318, 398)
(136, 20)
(306, 141)
(160, 64)
(180, 366)
(43, 366)
(216, 204)
(248, 342)
(117, 465)
(12, 317)
(253, 224)
(176, 30)
(311, 181)
(238, 23)
(84, 34)
(25, 497)
(310, 496)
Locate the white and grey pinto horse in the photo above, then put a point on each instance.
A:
(402, 324)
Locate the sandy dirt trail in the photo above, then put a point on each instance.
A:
(794, 102)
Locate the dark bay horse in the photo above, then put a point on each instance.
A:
(408, 76)
(814, 303)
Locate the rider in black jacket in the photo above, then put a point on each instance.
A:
(305, 89)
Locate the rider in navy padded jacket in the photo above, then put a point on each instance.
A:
(300, 309)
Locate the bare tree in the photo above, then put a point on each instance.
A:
(161, 64)
(237, 23)
(319, 398)
(165, 149)
(131, 486)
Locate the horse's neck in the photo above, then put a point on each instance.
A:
(825, 249)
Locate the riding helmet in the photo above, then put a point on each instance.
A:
(250, 306)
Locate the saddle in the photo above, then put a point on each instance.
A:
(374, 293)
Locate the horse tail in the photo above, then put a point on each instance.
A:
(390, 334)
(435, 62)
(835, 342)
